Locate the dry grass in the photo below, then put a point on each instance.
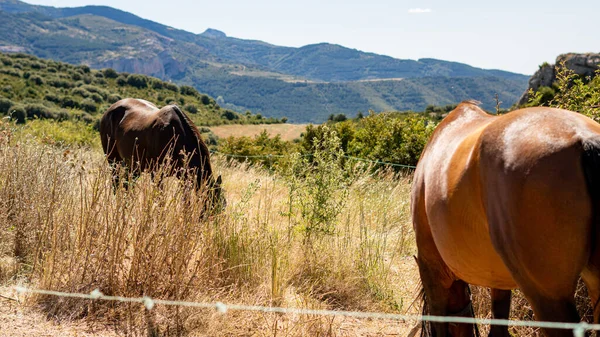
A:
(63, 228)
(287, 131)
(66, 230)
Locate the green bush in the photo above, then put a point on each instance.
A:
(570, 92)
(113, 98)
(60, 83)
(110, 73)
(5, 105)
(191, 108)
(37, 80)
(205, 99)
(19, 114)
(94, 89)
(170, 86)
(69, 102)
(52, 98)
(97, 98)
(39, 111)
(11, 72)
(76, 76)
(137, 81)
(121, 80)
(188, 90)
(230, 115)
(80, 92)
(88, 105)
(85, 68)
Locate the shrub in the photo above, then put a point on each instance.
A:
(97, 98)
(38, 65)
(171, 86)
(37, 80)
(110, 73)
(188, 90)
(11, 72)
(60, 83)
(113, 98)
(69, 102)
(157, 84)
(5, 105)
(52, 98)
(121, 81)
(39, 111)
(191, 108)
(96, 90)
(100, 81)
(75, 76)
(137, 81)
(80, 92)
(85, 68)
(205, 99)
(229, 115)
(19, 114)
(88, 105)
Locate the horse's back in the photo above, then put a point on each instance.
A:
(137, 129)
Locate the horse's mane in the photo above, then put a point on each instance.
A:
(190, 128)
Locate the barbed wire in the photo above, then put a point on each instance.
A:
(266, 156)
(579, 329)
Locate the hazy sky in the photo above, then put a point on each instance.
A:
(506, 34)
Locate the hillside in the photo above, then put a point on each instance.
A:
(304, 84)
(31, 87)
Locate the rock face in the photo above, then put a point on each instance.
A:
(162, 65)
(584, 65)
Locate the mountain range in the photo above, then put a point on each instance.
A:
(305, 84)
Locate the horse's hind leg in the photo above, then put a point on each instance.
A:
(500, 310)
(591, 277)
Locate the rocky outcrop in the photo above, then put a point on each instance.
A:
(162, 65)
(585, 65)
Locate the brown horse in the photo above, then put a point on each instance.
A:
(509, 202)
(141, 136)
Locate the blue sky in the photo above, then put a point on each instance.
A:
(508, 34)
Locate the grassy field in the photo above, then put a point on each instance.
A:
(66, 230)
(288, 132)
(311, 236)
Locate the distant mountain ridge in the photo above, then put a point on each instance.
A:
(314, 79)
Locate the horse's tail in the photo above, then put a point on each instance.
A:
(590, 161)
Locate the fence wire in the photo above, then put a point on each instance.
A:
(579, 329)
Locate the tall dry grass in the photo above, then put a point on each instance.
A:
(68, 230)
(63, 227)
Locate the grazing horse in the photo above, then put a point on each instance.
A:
(141, 136)
(505, 202)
